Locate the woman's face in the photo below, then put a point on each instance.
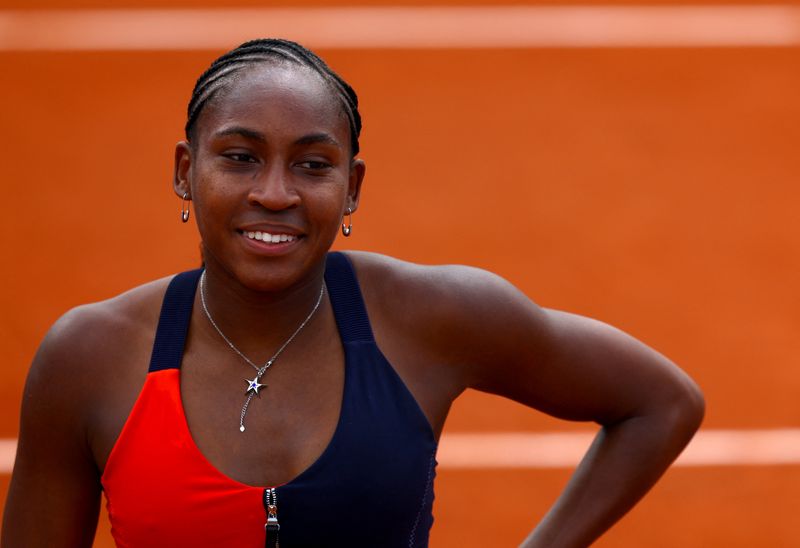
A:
(270, 159)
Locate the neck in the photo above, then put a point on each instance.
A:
(257, 321)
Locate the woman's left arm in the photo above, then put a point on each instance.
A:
(648, 408)
(447, 328)
(577, 368)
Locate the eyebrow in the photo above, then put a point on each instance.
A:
(244, 132)
(261, 138)
(317, 138)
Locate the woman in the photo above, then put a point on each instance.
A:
(295, 395)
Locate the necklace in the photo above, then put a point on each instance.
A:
(253, 386)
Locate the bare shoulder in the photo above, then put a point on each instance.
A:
(91, 344)
(457, 316)
(83, 336)
(446, 292)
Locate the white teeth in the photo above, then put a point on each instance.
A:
(271, 238)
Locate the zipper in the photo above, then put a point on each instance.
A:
(272, 526)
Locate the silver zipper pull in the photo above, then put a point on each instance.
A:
(272, 526)
(272, 516)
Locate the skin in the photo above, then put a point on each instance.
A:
(273, 154)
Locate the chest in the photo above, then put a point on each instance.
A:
(264, 429)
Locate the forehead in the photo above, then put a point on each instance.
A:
(276, 97)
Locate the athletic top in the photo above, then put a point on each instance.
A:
(372, 486)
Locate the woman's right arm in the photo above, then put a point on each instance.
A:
(54, 495)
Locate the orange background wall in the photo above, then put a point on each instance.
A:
(655, 189)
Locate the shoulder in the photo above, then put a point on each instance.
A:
(439, 289)
(456, 314)
(92, 342)
(86, 330)
(446, 296)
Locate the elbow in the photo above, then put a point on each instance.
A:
(694, 406)
(685, 407)
(673, 411)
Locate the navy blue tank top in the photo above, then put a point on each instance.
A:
(371, 487)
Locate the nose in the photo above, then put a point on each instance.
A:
(273, 189)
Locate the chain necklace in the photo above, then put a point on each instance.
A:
(253, 386)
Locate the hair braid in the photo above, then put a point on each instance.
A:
(224, 69)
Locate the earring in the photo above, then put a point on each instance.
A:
(184, 208)
(346, 230)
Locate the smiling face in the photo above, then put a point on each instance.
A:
(270, 173)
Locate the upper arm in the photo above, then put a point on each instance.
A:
(566, 365)
(54, 494)
(578, 368)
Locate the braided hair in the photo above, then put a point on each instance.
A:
(223, 71)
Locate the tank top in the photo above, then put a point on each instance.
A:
(372, 486)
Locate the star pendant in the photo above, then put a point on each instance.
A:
(254, 386)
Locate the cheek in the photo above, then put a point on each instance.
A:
(211, 190)
(329, 201)
(214, 205)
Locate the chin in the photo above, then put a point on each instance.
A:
(271, 270)
(276, 275)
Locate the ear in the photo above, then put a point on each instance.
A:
(357, 170)
(181, 181)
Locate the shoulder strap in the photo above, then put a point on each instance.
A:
(173, 323)
(348, 304)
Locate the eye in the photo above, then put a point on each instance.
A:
(314, 165)
(242, 157)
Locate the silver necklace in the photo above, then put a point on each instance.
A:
(253, 386)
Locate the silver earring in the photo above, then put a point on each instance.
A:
(185, 208)
(346, 230)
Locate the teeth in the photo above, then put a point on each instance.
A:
(271, 238)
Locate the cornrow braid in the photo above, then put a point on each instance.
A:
(224, 70)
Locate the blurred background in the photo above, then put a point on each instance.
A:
(637, 164)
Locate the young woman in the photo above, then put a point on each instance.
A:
(286, 394)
